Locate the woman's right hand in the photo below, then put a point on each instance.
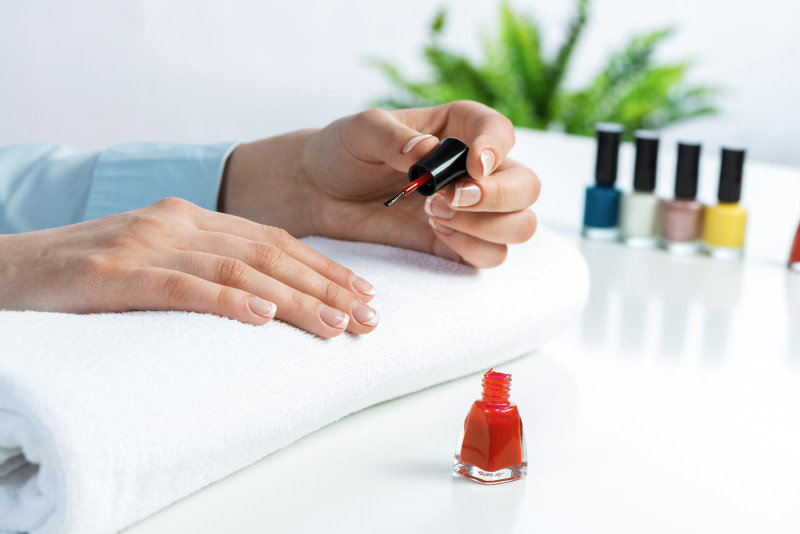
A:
(174, 255)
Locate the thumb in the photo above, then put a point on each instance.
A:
(376, 135)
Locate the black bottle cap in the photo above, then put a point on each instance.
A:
(687, 170)
(644, 175)
(730, 175)
(446, 163)
(608, 138)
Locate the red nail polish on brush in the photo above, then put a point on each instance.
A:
(491, 449)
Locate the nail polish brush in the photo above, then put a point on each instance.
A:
(445, 164)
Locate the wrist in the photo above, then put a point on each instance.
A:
(13, 270)
(266, 181)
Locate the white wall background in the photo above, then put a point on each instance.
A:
(98, 72)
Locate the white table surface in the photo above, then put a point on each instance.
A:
(672, 405)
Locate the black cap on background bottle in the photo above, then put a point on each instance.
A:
(730, 175)
(446, 163)
(609, 135)
(644, 174)
(687, 170)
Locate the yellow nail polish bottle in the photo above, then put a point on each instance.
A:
(724, 224)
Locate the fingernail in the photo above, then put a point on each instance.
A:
(466, 195)
(363, 313)
(413, 142)
(362, 286)
(487, 161)
(262, 307)
(443, 229)
(436, 206)
(333, 317)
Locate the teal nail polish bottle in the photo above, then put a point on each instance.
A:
(601, 208)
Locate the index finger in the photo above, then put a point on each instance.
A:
(489, 135)
(213, 221)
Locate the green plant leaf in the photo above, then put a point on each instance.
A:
(557, 69)
(458, 72)
(439, 20)
(516, 77)
(519, 35)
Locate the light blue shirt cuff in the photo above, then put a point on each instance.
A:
(43, 186)
(130, 176)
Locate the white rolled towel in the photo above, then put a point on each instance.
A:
(105, 419)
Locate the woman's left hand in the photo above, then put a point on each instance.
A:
(333, 182)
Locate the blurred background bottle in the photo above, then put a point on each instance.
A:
(725, 223)
(640, 210)
(682, 225)
(601, 208)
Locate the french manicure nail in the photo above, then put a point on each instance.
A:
(333, 317)
(487, 161)
(362, 286)
(413, 142)
(363, 313)
(436, 206)
(443, 229)
(466, 195)
(262, 307)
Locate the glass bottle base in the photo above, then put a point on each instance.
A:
(476, 474)
(682, 248)
(605, 235)
(640, 242)
(723, 253)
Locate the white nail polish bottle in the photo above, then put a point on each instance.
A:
(640, 211)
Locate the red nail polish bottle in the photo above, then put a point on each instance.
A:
(794, 255)
(491, 448)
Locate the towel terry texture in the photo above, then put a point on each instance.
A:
(107, 418)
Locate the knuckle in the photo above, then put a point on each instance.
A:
(494, 120)
(270, 258)
(330, 292)
(371, 116)
(226, 300)
(506, 124)
(122, 241)
(97, 267)
(332, 269)
(294, 304)
(176, 287)
(173, 204)
(279, 237)
(231, 272)
(144, 224)
(467, 105)
(500, 195)
(140, 228)
(508, 127)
